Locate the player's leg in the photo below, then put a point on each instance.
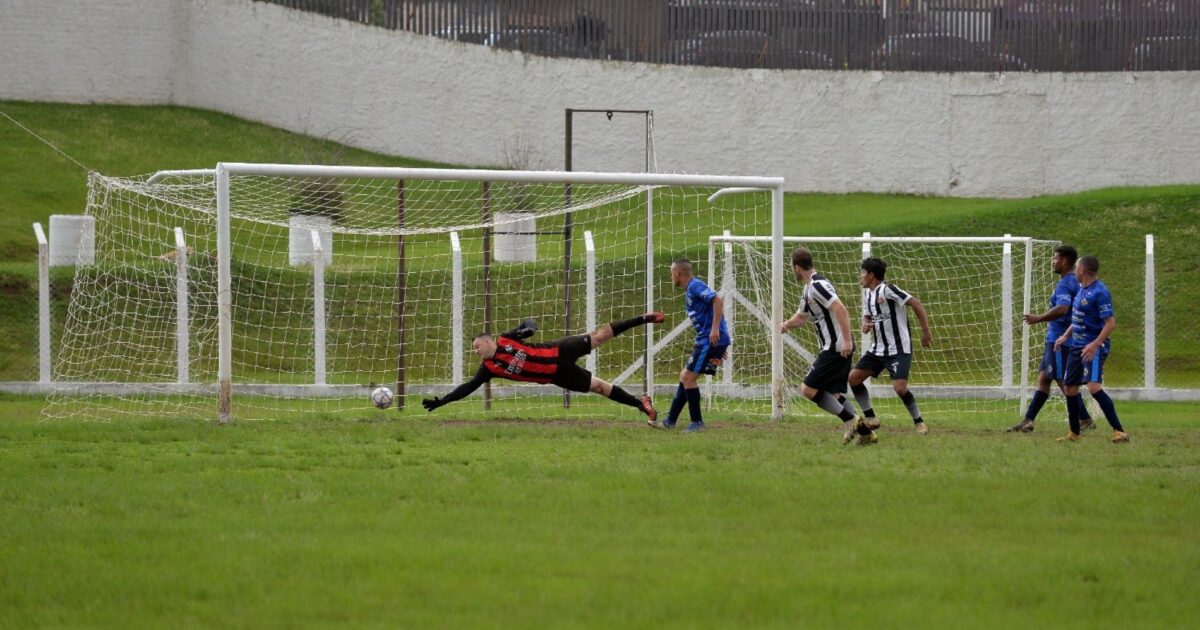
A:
(822, 378)
(616, 394)
(612, 329)
(1049, 370)
(898, 367)
(687, 382)
(1072, 378)
(868, 366)
(1060, 365)
(1094, 375)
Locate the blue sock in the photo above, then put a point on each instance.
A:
(1035, 404)
(677, 405)
(1110, 412)
(1073, 405)
(693, 400)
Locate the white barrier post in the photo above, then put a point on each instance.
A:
(589, 246)
(778, 391)
(456, 309)
(1026, 305)
(856, 321)
(1150, 367)
(43, 304)
(1006, 316)
(729, 284)
(318, 308)
(181, 306)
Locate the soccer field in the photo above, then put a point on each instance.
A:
(423, 519)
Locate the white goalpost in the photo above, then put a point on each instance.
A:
(264, 289)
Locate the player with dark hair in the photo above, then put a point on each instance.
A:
(1092, 322)
(825, 383)
(885, 316)
(1058, 318)
(509, 357)
(706, 310)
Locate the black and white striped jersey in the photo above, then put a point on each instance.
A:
(819, 295)
(885, 307)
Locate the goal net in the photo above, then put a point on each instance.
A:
(983, 359)
(266, 291)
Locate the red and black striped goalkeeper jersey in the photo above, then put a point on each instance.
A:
(531, 363)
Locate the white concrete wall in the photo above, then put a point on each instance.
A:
(963, 134)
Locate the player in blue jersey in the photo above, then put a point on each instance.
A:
(706, 310)
(1059, 318)
(1092, 322)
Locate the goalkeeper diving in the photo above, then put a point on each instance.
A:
(508, 357)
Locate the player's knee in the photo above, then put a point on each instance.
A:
(1094, 387)
(901, 387)
(857, 377)
(598, 387)
(809, 392)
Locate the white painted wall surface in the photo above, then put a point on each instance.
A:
(961, 134)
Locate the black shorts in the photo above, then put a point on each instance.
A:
(897, 365)
(1078, 371)
(829, 372)
(571, 376)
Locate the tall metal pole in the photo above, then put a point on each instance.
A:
(568, 222)
(487, 278)
(401, 290)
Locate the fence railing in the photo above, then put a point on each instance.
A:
(921, 35)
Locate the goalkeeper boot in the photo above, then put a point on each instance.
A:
(695, 427)
(850, 429)
(1120, 437)
(647, 408)
(1024, 426)
(1086, 424)
(866, 439)
(1070, 437)
(921, 428)
(655, 318)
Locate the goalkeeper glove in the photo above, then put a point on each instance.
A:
(525, 330)
(432, 403)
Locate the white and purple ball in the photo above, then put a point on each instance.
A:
(381, 397)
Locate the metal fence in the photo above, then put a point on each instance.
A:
(921, 35)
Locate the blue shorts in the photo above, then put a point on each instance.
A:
(1079, 371)
(1054, 364)
(705, 359)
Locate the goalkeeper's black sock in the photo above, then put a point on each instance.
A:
(677, 404)
(1073, 405)
(626, 324)
(1106, 405)
(864, 399)
(693, 400)
(625, 398)
(1035, 404)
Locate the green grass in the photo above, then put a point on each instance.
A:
(422, 521)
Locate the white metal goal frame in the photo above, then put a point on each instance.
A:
(225, 172)
(1011, 385)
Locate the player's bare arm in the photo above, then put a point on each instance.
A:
(842, 316)
(923, 318)
(1050, 315)
(795, 321)
(1090, 350)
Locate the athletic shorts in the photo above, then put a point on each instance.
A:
(829, 372)
(705, 359)
(897, 365)
(571, 376)
(1078, 371)
(1054, 364)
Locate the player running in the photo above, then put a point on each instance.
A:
(508, 357)
(1092, 322)
(827, 379)
(706, 310)
(885, 316)
(1054, 361)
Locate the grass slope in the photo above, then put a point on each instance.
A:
(428, 522)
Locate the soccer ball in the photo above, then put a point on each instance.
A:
(381, 397)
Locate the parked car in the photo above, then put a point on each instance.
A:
(1167, 52)
(941, 51)
(457, 34)
(538, 41)
(745, 49)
